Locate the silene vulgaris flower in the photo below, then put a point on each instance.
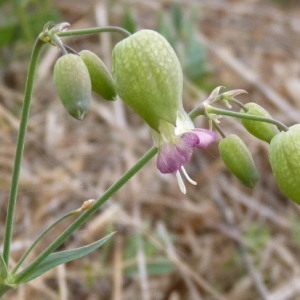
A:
(148, 77)
(176, 144)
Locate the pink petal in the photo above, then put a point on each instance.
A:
(172, 156)
(205, 137)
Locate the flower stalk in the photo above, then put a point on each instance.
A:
(217, 111)
(20, 149)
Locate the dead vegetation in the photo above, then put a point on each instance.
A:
(221, 240)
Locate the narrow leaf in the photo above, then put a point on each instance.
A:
(3, 269)
(154, 267)
(177, 16)
(61, 257)
(129, 22)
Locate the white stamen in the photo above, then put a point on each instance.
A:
(188, 178)
(180, 182)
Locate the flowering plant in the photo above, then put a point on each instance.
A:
(147, 76)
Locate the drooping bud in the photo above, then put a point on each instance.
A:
(148, 77)
(284, 156)
(238, 160)
(73, 84)
(262, 130)
(102, 82)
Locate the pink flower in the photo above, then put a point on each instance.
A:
(176, 145)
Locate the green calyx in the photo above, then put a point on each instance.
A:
(238, 160)
(262, 130)
(148, 76)
(73, 85)
(284, 156)
(101, 79)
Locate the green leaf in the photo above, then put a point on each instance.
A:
(8, 33)
(3, 269)
(57, 258)
(128, 21)
(176, 16)
(158, 266)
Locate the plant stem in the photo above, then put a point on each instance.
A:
(238, 103)
(199, 110)
(94, 30)
(20, 149)
(21, 277)
(59, 44)
(213, 110)
(215, 124)
(4, 289)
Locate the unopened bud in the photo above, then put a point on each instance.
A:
(238, 160)
(73, 84)
(262, 130)
(284, 156)
(102, 82)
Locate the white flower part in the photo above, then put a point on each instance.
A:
(180, 182)
(183, 123)
(165, 135)
(156, 137)
(188, 178)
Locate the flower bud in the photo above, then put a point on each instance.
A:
(73, 84)
(238, 160)
(262, 130)
(102, 82)
(148, 77)
(284, 156)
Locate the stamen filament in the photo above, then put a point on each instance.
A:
(188, 178)
(180, 182)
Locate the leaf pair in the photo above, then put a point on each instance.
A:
(9, 281)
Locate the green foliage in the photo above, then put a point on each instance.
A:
(154, 267)
(3, 269)
(181, 31)
(23, 20)
(57, 258)
(257, 236)
(128, 21)
(295, 230)
(156, 264)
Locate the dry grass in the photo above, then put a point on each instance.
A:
(221, 240)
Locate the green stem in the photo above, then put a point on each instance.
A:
(4, 289)
(21, 277)
(200, 110)
(59, 44)
(213, 110)
(94, 30)
(238, 103)
(20, 149)
(216, 125)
